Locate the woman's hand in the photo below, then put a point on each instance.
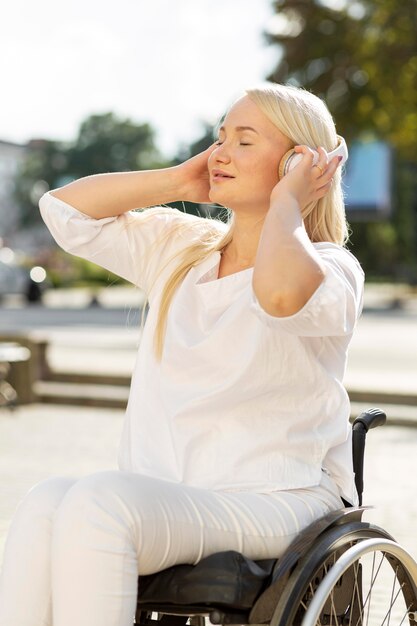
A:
(194, 177)
(307, 183)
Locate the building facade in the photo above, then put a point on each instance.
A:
(11, 156)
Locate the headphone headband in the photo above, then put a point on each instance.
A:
(341, 150)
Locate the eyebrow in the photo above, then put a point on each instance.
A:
(241, 128)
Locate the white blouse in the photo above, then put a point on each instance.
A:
(241, 400)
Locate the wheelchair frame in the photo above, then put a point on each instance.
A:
(321, 577)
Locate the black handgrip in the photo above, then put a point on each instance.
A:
(371, 418)
(358, 441)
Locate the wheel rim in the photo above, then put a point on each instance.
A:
(299, 589)
(373, 583)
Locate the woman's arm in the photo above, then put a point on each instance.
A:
(288, 269)
(108, 195)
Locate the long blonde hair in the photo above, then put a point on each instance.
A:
(207, 237)
(305, 120)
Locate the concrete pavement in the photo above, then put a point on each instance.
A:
(39, 441)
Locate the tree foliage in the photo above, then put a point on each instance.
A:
(108, 144)
(360, 56)
(105, 143)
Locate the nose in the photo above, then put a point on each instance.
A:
(221, 154)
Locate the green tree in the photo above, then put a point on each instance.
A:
(361, 58)
(105, 143)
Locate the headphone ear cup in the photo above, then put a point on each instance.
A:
(293, 158)
(283, 164)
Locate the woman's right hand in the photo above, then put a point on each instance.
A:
(194, 177)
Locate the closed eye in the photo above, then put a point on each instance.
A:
(219, 143)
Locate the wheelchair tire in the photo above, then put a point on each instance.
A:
(381, 587)
(315, 565)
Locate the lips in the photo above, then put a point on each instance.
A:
(220, 174)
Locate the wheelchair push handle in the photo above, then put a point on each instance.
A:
(371, 418)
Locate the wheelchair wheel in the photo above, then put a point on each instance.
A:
(378, 587)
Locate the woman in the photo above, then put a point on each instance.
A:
(236, 434)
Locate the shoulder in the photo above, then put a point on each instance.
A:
(337, 255)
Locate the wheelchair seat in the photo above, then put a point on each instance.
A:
(230, 584)
(229, 588)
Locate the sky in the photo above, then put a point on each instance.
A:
(173, 63)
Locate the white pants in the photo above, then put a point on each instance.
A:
(75, 547)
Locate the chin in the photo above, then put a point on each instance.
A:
(215, 195)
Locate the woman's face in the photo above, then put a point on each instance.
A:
(243, 167)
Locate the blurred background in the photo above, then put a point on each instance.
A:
(88, 88)
(91, 89)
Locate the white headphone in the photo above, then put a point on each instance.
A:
(292, 158)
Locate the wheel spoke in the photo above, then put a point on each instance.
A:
(366, 580)
(404, 616)
(333, 611)
(388, 613)
(392, 595)
(378, 574)
(371, 585)
(370, 591)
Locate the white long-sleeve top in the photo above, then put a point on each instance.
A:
(241, 400)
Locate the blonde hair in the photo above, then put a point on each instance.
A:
(207, 237)
(305, 120)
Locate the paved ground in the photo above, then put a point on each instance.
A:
(38, 441)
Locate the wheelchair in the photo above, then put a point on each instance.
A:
(340, 571)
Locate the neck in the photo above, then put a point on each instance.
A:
(241, 250)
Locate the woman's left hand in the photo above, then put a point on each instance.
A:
(307, 182)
